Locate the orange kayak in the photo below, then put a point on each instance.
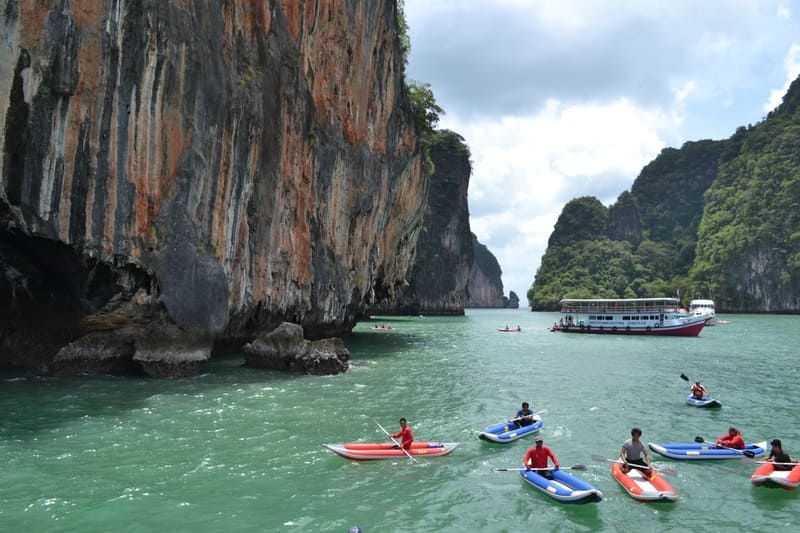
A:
(370, 451)
(769, 477)
(654, 488)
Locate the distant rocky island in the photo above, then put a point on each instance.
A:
(718, 219)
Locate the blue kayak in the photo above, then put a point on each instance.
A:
(506, 432)
(704, 450)
(564, 487)
(703, 402)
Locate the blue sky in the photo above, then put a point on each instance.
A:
(558, 99)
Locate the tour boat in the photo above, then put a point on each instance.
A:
(703, 308)
(628, 316)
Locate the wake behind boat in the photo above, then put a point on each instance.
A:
(563, 487)
(628, 316)
(370, 451)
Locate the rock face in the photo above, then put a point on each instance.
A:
(235, 165)
(443, 256)
(485, 287)
(485, 284)
(285, 348)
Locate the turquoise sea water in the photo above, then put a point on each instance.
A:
(238, 449)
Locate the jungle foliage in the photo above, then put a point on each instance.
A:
(713, 218)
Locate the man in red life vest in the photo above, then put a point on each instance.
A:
(536, 458)
(698, 391)
(405, 434)
(732, 440)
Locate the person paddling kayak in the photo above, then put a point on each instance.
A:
(733, 439)
(698, 390)
(405, 435)
(536, 458)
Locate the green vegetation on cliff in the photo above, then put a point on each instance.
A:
(713, 218)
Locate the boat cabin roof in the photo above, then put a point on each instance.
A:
(610, 305)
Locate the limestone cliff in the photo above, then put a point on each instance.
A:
(485, 286)
(443, 257)
(220, 166)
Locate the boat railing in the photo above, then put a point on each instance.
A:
(616, 310)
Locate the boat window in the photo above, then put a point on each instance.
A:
(609, 318)
(626, 317)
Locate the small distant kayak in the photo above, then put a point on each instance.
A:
(704, 450)
(703, 402)
(510, 330)
(371, 451)
(564, 487)
(768, 476)
(506, 432)
(652, 489)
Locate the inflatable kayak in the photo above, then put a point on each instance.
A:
(769, 477)
(703, 402)
(704, 450)
(564, 487)
(506, 432)
(370, 451)
(652, 489)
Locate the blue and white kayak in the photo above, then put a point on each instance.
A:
(703, 402)
(506, 432)
(564, 487)
(704, 450)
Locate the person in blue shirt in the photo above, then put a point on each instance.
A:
(524, 416)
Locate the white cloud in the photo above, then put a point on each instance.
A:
(558, 99)
(792, 65)
(525, 168)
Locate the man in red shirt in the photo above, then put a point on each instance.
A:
(536, 458)
(698, 390)
(405, 434)
(732, 440)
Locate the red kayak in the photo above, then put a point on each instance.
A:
(767, 475)
(654, 488)
(370, 451)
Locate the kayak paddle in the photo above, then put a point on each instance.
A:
(665, 471)
(518, 468)
(540, 412)
(746, 453)
(753, 461)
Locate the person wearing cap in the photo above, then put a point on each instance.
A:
(777, 455)
(536, 458)
(698, 390)
(524, 416)
(733, 439)
(631, 454)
